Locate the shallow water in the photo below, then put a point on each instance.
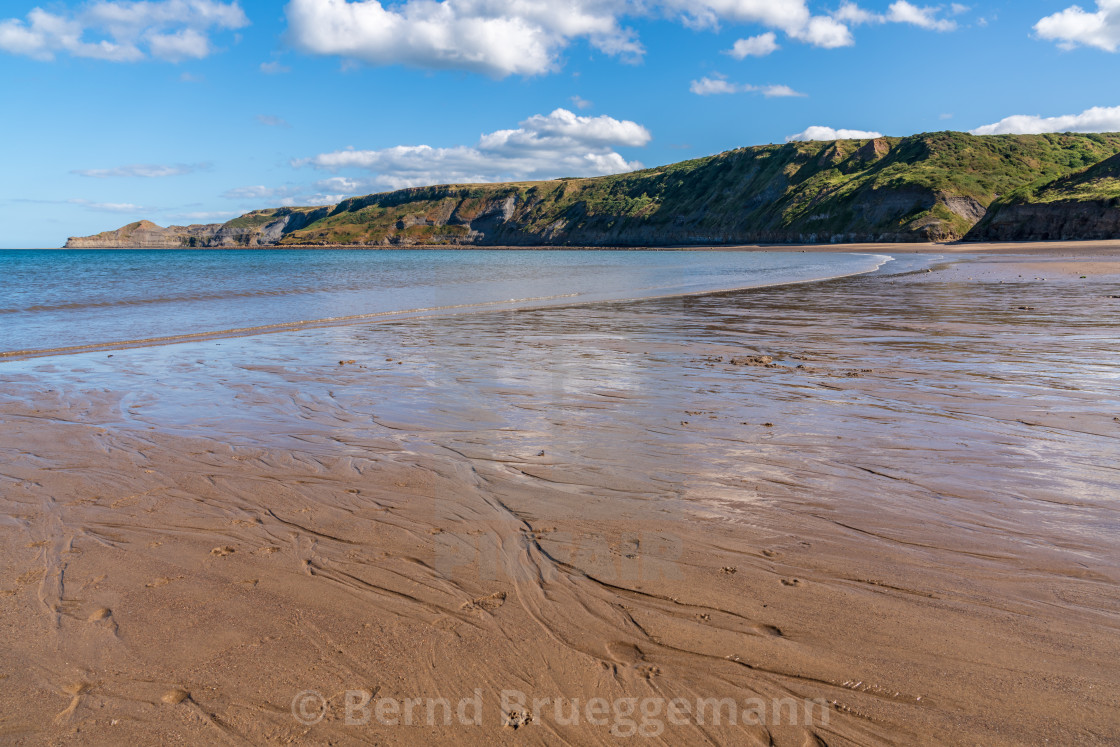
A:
(51, 299)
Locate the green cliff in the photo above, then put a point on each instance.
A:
(941, 186)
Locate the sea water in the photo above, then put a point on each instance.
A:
(61, 300)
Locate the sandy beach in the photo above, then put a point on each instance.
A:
(874, 510)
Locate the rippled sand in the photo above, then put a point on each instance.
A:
(896, 494)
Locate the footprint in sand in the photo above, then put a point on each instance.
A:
(625, 653)
(161, 582)
(75, 691)
(31, 577)
(791, 582)
(223, 551)
(487, 603)
(102, 614)
(771, 553)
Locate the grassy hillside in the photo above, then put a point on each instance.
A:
(934, 186)
(1099, 182)
(1081, 205)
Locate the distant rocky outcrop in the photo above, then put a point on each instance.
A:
(143, 234)
(943, 186)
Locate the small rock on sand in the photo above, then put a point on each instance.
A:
(175, 697)
(753, 360)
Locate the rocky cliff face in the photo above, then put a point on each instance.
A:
(145, 234)
(1078, 206)
(257, 229)
(933, 187)
(1052, 221)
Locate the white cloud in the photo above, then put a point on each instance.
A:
(323, 192)
(109, 207)
(526, 37)
(720, 85)
(344, 184)
(581, 103)
(122, 30)
(923, 17)
(1076, 26)
(712, 86)
(261, 192)
(1097, 119)
(211, 216)
(145, 170)
(542, 147)
(755, 46)
(827, 133)
(274, 68)
(825, 32)
(494, 37)
(774, 92)
(181, 45)
(900, 12)
(851, 13)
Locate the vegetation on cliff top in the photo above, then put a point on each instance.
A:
(1099, 182)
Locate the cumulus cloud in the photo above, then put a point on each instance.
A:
(828, 133)
(720, 85)
(144, 170)
(581, 103)
(542, 147)
(755, 46)
(925, 17)
(494, 37)
(825, 32)
(1097, 119)
(527, 37)
(1075, 26)
(122, 30)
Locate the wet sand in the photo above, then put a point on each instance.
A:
(895, 495)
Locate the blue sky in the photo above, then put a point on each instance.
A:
(188, 111)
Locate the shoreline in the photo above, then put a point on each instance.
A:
(906, 247)
(890, 493)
